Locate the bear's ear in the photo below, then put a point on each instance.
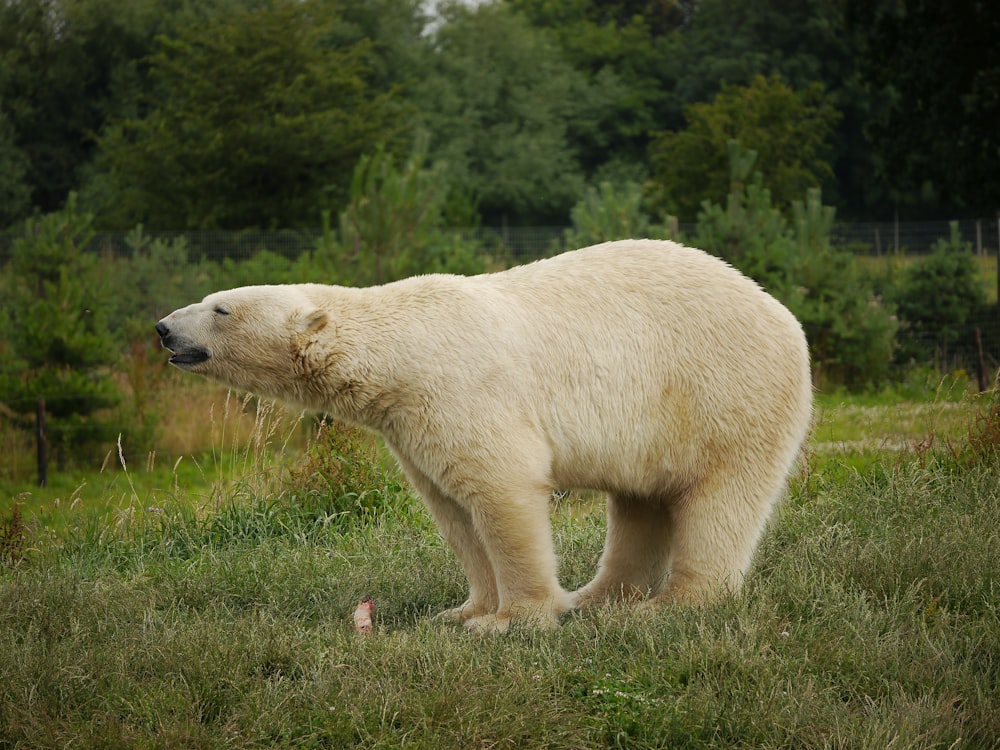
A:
(314, 320)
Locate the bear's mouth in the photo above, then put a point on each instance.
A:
(189, 357)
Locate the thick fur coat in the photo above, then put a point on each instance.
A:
(650, 371)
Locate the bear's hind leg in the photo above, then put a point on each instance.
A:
(634, 561)
(716, 527)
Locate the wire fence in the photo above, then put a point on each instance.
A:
(914, 238)
(526, 243)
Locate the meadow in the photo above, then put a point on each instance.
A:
(203, 598)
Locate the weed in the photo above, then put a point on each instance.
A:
(983, 443)
(13, 537)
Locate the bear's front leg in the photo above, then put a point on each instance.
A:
(515, 532)
(455, 524)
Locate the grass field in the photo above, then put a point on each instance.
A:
(202, 611)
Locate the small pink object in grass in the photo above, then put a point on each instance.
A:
(363, 616)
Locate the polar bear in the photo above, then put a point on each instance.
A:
(647, 370)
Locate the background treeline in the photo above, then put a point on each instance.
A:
(237, 113)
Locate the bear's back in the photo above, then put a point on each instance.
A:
(654, 294)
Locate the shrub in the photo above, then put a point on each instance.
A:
(937, 298)
(156, 276)
(59, 346)
(394, 225)
(344, 474)
(851, 330)
(609, 213)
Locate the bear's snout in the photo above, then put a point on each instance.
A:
(166, 339)
(185, 354)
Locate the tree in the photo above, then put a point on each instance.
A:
(610, 213)
(65, 66)
(395, 31)
(788, 129)
(257, 120)
(730, 42)
(937, 299)
(497, 99)
(58, 344)
(937, 68)
(626, 51)
(851, 330)
(393, 226)
(15, 194)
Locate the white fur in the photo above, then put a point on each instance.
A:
(645, 369)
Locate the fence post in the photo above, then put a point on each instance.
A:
(43, 446)
(984, 382)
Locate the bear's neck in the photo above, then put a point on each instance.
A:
(359, 367)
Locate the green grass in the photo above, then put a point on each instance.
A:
(871, 618)
(234, 442)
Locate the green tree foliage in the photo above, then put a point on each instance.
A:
(851, 329)
(656, 17)
(748, 231)
(526, 100)
(394, 225)
(257, 120)
(937, 298)
(58, 344)
(609, 213)
(647, 61)
(936, 68)
(497, 100)
(395, 30)
(730, 42)
(788, 129)
(156, 275)
(626, 51)
(15, 193)
(65, 66)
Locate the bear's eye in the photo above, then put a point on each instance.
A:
(221, 311)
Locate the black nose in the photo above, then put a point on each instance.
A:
(162, 329)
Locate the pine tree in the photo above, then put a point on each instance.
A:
(57, 344)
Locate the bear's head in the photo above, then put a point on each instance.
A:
(254, 337)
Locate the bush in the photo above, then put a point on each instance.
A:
(851, 329)
(610, 213)
(155, 276)
(394, 226)
(938, 298)
(58, 342)
(344, 474)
